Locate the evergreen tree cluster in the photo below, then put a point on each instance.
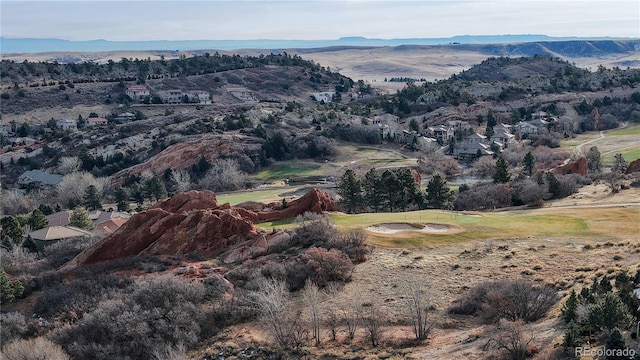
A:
(603, 307)
(391, 190)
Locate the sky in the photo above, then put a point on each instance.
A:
(313, 20)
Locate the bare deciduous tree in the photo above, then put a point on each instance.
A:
(373, 321)
(274, 304)
(68, 164)
(312, 296)
(224, 175)
(512, 340)
(182, 180)
(416, 303)
(73, 186)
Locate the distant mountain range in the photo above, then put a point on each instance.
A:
(30, 45)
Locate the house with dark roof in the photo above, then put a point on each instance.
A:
(472, 146)
(39, 177)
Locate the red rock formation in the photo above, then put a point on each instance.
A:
(577, 167)
(194, 222)
(188, 151)
(314, 201)
(633, 167)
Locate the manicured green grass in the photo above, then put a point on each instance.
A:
(377, 161)
(265, 196)
(628, 154)
(629, 130)
(283, 171)
(603, 223)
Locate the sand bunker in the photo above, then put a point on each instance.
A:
(392, 228)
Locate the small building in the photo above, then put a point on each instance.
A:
(39, 177)
(137, 92)
(97, 121)
(199, 96)
(324, 97)
(171, 96)
(124, 117)
(66, 124)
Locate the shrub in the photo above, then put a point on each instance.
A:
(351, 243)
(328, 265)
(33, 349)
(12, 326)
(159, 315)
(80, 295)
(316, 233)
(510, 300)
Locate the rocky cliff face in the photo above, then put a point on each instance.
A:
(195, 222)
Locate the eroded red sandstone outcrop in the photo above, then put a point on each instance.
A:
(633, 167)
(195, 222)
(577, 167)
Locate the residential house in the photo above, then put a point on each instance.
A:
(137, 92)
(325, 97)
(52, 234)
(66, 124)
(171, 96)
(22, 141)
(472, 146)
(242, 93)
(41, 178)
(502, 136)
(442, 133)
(60, 218)
(532, 127)
(199, 96)
(386, 118)
(96, 121)
(111, 225)
(100, 217)
(457, 124)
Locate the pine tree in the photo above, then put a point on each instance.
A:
(570, 337)
(12, 230)
(594, 160)
(372, 185)
(390, 189)
(501, 175)
(9, 289)
(619, 164)
(553, 186)
(438, 194)
(80, 218)
(350, 190)
(92, 198)
(37, 220)
(122, 200)
(154, 188)
(615, 341)
(529, 163)
(569, 310)
(409, 188)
